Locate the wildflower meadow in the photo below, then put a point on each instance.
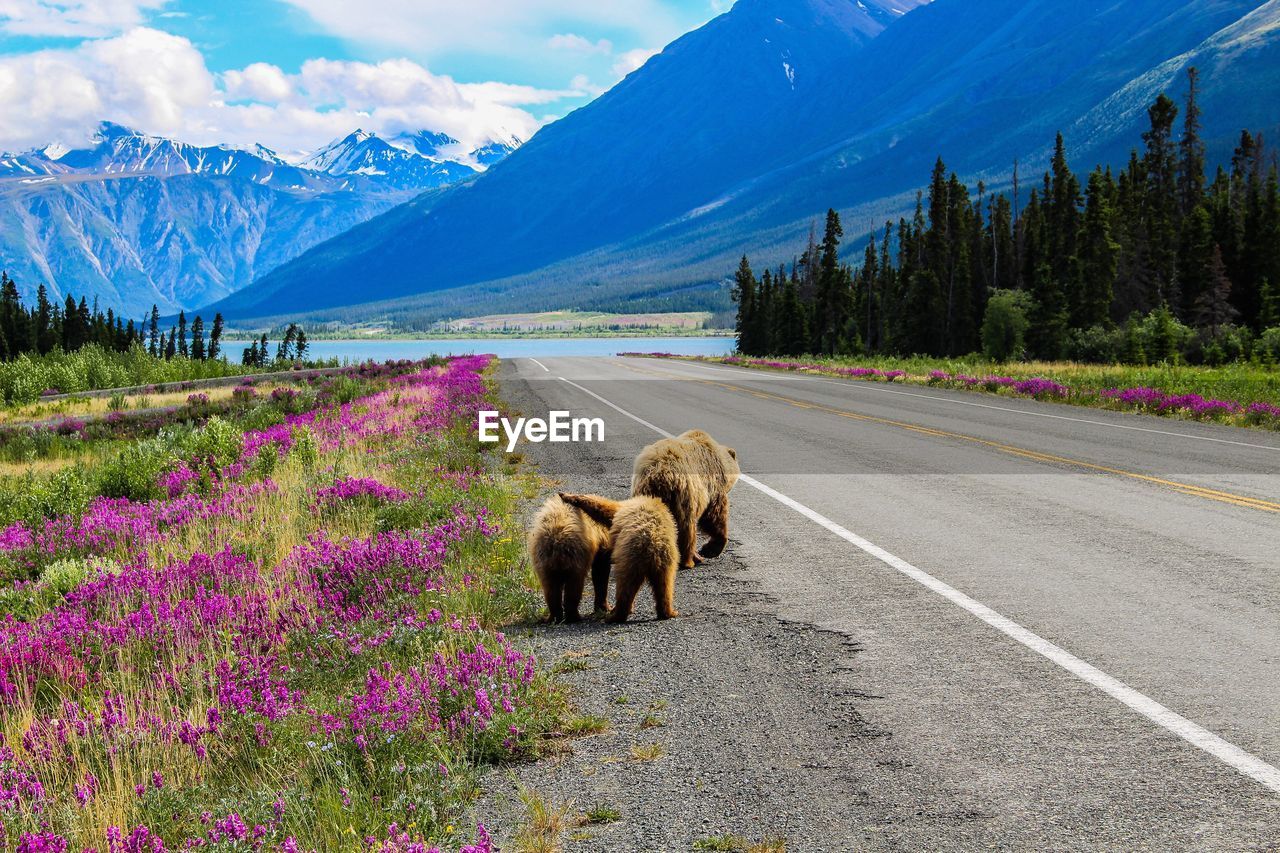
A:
(284, 632)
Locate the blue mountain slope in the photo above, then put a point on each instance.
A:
(709, 111)
(135, 220)
(679, 170)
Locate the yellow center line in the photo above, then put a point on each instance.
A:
(1033, 455)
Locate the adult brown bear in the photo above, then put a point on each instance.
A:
(693, 475)
(565, 544)
(644, 550)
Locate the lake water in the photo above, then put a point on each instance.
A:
(358, 351)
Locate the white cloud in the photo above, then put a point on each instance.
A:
(578, 44)
(72, 18)
(159, 83)
(484, 26)
(258, 82)
(632, 60)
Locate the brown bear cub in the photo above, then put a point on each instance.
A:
(565, 544)
(644, 549)
(693, 475)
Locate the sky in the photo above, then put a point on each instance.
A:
(295, 74)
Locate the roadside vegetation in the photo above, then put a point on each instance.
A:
(1233, 394)
(278, 626)
(1156, 288)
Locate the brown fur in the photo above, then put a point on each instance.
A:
(644, 549)
(693, 475)
(565, 545)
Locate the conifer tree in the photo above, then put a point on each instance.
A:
(1192, 155)
(1161, 204)
(1099, 257)
(744, 294)
(302, 344)
(1213, 308)
(182, 334)
(1270, 315)
(153, 336)
(215, 337)
(832, 305)
(197, 338)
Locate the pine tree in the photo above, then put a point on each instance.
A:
(14, 322)
(71, 340)
(302, 343)
(171, 348)
(250, 356)
(153, 336)
(1099, 257)
(832, 306)
(45, 334)
(1192, 149)
(1047, 338)
(215, 337)
(1213, 308)
(1161, 202)
(182, 334)
(792, 331)
(744, 294)
(197, 339)
(1063, 224)
(1270, 314)
(1195, 259)
(262, 351)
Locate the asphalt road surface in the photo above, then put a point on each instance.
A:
(1062, 624)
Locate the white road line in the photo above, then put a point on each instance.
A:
(540, 364)
(1194, 734)
(866, 386)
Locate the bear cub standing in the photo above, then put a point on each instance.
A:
(693, 475)
(565, 545)
(644, 549)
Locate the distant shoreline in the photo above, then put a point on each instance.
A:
(243, 338)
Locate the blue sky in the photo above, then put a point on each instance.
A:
(293, 74)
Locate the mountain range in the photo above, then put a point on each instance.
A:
(739, 134)
(137, 220)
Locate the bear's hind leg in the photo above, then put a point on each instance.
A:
(627, 585)
(715, 523)
(687, 536)
(552, 588)
(573, 586)
(600, 568)
(663, 581)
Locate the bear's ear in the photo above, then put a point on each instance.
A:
(733, 453)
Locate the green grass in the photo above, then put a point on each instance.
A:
(1244, 384)
(602, 813)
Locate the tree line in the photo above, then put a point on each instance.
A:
(1156, 252)
(70, 326)
(47, 326)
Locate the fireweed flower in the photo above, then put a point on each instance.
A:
(225, 625)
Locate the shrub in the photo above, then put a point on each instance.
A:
(1005, 325)
(1267, 348)
(1096, 345)
(135, 471)
(1164, 339)
(218, 442)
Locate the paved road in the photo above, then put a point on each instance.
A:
(1068, 620)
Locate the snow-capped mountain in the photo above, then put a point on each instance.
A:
(137, 219)
(416, 162)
